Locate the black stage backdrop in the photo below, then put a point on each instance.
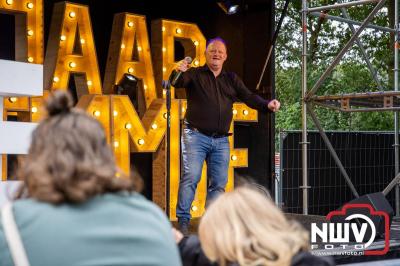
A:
(248, 36)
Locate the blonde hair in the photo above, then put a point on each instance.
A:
(245, 227)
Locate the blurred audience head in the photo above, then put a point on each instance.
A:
(245, 227)
(69, 159)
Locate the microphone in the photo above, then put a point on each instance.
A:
(176, 73)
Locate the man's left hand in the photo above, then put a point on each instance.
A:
(274, 105)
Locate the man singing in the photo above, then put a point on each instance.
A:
(211, 92)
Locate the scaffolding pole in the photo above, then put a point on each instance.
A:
(392, 184)
(309, 98)
(352, 22)
(358, 110)
(357, 95)
(345, 48)
(364, 54)
(336, 6)
(332, 151)
(396, 114)
(304, 142)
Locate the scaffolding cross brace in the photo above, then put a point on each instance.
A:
(355, 102)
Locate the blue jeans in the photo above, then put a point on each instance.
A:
(197, 148)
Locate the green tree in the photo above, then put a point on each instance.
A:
(326, 39)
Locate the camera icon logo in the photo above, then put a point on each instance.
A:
(351, 231)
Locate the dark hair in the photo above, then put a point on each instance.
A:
(69, 159)
(210, 41)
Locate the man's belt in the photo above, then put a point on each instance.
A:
(215, 135)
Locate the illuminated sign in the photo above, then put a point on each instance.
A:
(71, 53)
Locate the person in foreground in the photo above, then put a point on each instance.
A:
(211, 92)
(244, 227)
(75, 207)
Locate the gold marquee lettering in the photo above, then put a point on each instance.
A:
(129, 39)
(28, 48)
(71, 50)
(28, 29)
(163, 36)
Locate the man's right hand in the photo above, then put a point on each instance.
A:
(182, 66)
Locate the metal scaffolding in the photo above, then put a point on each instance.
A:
(354, 102)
